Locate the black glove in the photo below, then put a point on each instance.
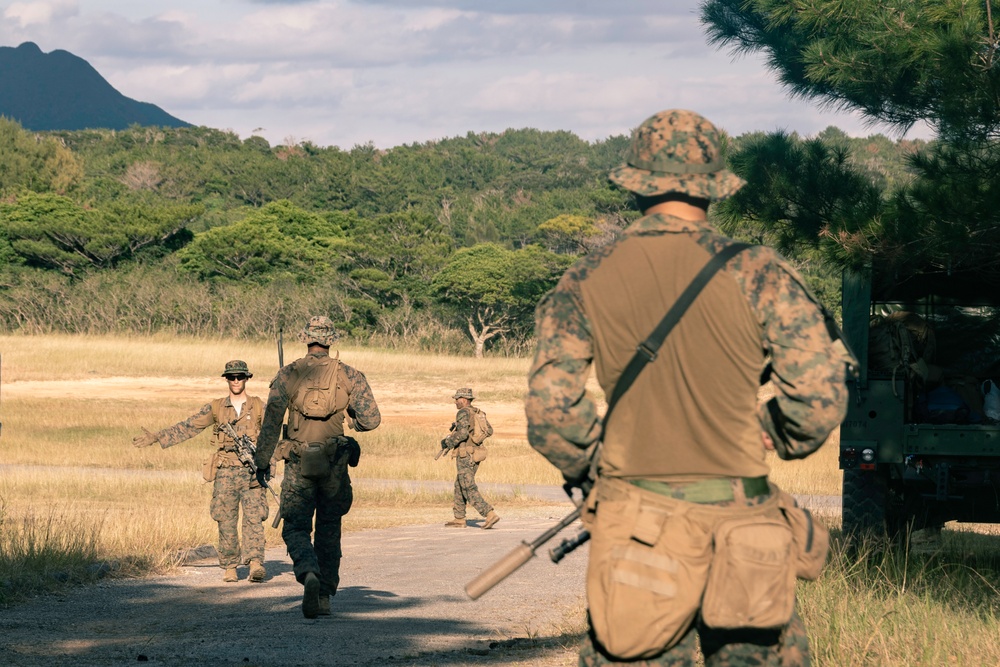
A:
(263, 476)
(584, 483)
(444, 444)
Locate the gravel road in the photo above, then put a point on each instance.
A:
(401, 602)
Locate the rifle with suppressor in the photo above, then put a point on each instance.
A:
(245, 449)
(645, 352)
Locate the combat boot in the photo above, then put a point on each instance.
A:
(324, 605)
(491, 520)
(257, 571)
(230, 575)
(456, 523)
(310, 596)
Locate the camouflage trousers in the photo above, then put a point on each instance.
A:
(466, 490)
(232, 489)
(329, 499)
(785, 647)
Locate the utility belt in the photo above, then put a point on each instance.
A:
(317, 459)
(663, 552)
(220, 458)
(709, 491)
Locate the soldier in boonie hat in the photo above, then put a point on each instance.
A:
(237, 367)
(319, 330)
(677, 151)
(464, 392)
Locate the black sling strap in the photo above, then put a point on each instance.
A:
(647, 350)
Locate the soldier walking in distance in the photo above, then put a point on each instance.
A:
(234, 485)
(678, 490)
(468, 455)
(318, 391)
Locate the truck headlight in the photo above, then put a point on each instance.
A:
(868, 455)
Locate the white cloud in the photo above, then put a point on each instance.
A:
(34, 13)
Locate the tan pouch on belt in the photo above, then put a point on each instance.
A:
(648, 567)
(811, 538)
(479, 453)
(211, 467)
(752, 581)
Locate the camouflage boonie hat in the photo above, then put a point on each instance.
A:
(237, 367)
(320, 330)
(464, 392)
(677, 151)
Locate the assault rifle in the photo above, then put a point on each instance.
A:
(245, 449)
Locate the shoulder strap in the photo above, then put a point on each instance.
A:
(647, 350)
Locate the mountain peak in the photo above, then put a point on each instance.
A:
(61, 91)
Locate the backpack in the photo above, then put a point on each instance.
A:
(318, 393)
(481, 428)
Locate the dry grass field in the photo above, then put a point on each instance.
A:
(73, 491)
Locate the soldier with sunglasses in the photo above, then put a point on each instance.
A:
(234, 486)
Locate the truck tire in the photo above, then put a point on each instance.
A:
(869, 507)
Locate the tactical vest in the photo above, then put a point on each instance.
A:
(247, 424)
(319, 392)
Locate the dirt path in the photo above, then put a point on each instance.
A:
(401, 602)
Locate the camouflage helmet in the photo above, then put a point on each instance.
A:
(464, 392)
(677, 151)
(319, 330)
(237, 367)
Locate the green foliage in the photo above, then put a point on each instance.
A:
(897, 63)
(51, 232)
(35, 162)
(278, 241)
(497, 284)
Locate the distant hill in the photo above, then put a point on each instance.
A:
(59, 91)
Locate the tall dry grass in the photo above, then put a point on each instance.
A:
(74, 492)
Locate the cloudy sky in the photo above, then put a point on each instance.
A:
(346, 72)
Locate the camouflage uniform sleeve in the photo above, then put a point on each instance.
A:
(274, 415)
(362, 407)
(186, 429)
(562, 418)
(808, 368)
(462, 430)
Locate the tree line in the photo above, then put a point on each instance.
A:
(444, 245)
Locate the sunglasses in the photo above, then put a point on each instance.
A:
(232, 378)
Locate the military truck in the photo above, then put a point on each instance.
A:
(921, 441)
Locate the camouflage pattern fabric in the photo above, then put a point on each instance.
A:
(362, 408)
(808, 376)
(810, 393)
(787, 647)
(466, 490)
(320, 330)
(234, 486)
(677, 151)
(329, 499)
(231, 491)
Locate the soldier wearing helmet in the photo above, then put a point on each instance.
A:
(318, 391)
(677, 477)
(468, 455)
(234, 486)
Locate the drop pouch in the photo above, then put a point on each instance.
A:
(648, 566)
(314, 461)
(751, 583)
(479, 453)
